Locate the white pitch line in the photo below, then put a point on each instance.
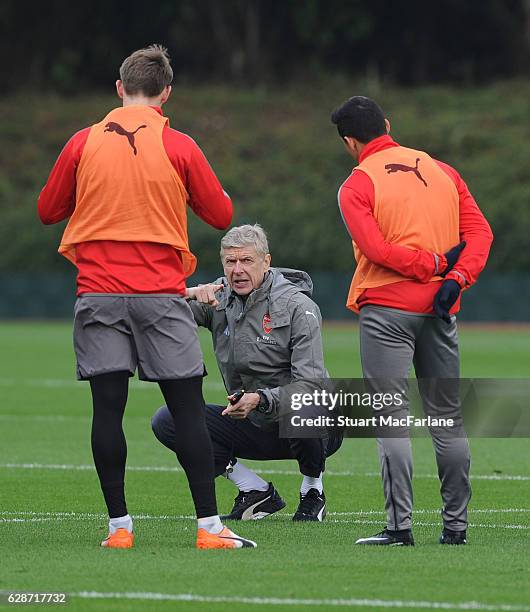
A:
(95, 515)
(473, 476)
(424, 524)
(179, 516)
(163, 468)
(47, 466)
(83, 468)
(433, 511)
(291, 601)
(36, 513)
(39, 517)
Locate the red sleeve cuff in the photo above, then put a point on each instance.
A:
(458, 277)
(440, 264)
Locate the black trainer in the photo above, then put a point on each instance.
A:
(453, 537)
(389, 538)
(254, 505)
(312, 506)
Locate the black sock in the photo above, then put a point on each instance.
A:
(109, 448)
(193, 446)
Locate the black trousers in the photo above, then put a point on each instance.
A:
(234, 439)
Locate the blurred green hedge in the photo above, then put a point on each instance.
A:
(280, 159)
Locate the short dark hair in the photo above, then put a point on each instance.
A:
(146, 71)
(360, 118)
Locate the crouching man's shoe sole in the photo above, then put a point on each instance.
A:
(389, 538)
(224, 539)
(121, 538)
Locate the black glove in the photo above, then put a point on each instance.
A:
(445, 298)
(452, 257)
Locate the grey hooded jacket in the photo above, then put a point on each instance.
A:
(268, 341)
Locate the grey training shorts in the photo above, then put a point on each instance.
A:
(156, 333)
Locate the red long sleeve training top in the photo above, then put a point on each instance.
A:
(356, 202)
(108, 266)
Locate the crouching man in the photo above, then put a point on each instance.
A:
(266, 334)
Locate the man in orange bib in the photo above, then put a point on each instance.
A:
(419, 239)
(125, 184)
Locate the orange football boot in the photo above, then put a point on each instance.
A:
(224, 539)
(121, 538)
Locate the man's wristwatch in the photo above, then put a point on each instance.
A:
(263, 406)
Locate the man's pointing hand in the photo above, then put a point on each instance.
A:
(205, 294)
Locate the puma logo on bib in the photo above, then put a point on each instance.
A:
(112, 126)
(391, 168)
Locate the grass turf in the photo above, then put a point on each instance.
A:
(52, 518)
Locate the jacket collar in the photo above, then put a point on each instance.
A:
(377, 144)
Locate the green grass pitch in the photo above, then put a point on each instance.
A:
(52, 513)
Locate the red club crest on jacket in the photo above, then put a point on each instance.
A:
(267, 328)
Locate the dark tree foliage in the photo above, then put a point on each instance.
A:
(65, 46)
